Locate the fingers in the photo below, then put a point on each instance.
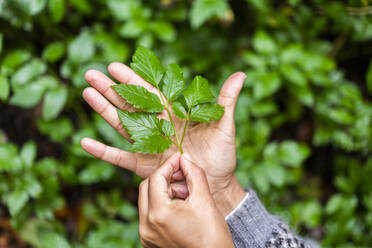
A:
(179, 190)
(110, 154)
(196, 179)
(143, 202)
(178, 176)
(126, 75)
(103, 84)
(160, 180)
(227, 98)
(105, 109)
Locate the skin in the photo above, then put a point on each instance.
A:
(199, 223)
(211, 145)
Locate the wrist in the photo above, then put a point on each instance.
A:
(229, 197)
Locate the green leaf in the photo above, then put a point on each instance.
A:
(292, 153)
(28, 153)
(206, 112)
(16, 201)
(133, 28)
(294, 75)
(173, 82)
(369, 77)
(125, 9)
(96, 172)
(1, 42)
(263, 43)
(54, 102)
(267, 84)
(139, 124)
(14, 59)
(81, 49)
(57, 130)
(54, 51)
(151, 144)
(147, 65)
(4, 88)
(179, 110)
(28, 72)
(166, 128)
(198, 92)
(31, 185)
(55, 240)
(202, 10)
(164, 30)
(139, 97)
(57, 9)
(28, 96)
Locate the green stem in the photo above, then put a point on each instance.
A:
(184, 130)
(165, 102)
(174, 127)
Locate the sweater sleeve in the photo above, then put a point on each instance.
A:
(252, 226)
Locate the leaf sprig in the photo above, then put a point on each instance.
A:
(195, 103)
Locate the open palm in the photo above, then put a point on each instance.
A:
(210, 146)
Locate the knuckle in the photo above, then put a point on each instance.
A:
(143, 232)
(143, 184)
(157, 217)
(117, 158)
(198, 172)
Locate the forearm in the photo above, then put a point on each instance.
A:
(252, 226)
(249, 222)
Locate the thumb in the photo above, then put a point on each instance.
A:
(196, 179)
(227, 98)
(160, 180)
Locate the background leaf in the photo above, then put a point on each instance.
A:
(54, 102)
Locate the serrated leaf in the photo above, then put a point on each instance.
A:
(173, 82)
(139, 124)
(166, 128)
(54, 102)
(179, 110)
(151, 144)
(206, 112)
(147, 65)
(198, 92)
(139, 97)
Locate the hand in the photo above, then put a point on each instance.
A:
(211, 145)
(193, 222)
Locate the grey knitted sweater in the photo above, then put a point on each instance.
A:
(251, 226)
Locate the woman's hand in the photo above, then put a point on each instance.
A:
(211, 145)
(193, 222)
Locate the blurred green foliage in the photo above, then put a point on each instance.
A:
(303, 118)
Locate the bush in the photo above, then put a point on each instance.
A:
(303, 119)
